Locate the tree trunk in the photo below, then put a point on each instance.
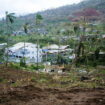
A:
(37, 54)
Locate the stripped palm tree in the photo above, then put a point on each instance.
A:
(39, 18)
(79, 50)
(25, 26)
(9, 20)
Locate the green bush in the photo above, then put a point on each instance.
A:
(34, 67)
(1, 79)
(23, 62)
(33, 79)
(15, 65)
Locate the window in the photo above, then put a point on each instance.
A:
(16, 56)
(25, 52)
(20, 57)
(32, 52)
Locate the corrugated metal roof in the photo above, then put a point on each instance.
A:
(21, 45)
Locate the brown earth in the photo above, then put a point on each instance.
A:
(29, 94)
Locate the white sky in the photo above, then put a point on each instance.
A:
(21, 7)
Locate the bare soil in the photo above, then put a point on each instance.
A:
(31, 94)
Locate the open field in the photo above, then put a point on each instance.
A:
(21, 88)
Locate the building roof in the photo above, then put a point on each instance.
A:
(21, 45)
(103, 36)
(3, 44)
(55, 47)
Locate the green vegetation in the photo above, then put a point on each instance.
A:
(83, 32)
(32, 67)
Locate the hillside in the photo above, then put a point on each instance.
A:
(60, 14)
(63, 13)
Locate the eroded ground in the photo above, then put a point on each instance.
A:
(29, 92)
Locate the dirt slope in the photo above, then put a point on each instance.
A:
(29, 94)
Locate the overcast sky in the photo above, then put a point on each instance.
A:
(21, 7)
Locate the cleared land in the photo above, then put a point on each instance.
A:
(21, 88)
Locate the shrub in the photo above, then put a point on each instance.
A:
(33, 79)
(1, 79)
(34, 67)
(23, 62)
(15, 65)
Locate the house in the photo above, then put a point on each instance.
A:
(103, 36)
(42, 31)
(55, 48)
(31, 52)
(51, 52)
(54, 69)
(2, 45)
(51, 47)
(21, 32)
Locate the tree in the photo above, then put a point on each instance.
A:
(23, 61)
(39, 18)
(25, 26)
(9, 20)
(80, 47)
(76, 29)
(89, 14)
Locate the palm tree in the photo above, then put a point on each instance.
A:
(9, 20)
(39, 18)
(25, 26)
(79, 50)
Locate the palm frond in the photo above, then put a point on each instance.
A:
(10, 17)
(25, 28)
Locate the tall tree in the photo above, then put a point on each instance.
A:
(25, 26)
(39, 18)
(9, 20)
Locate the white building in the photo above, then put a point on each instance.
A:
(55, 48)
(30, 52)
(2, 45)
(103, 36)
